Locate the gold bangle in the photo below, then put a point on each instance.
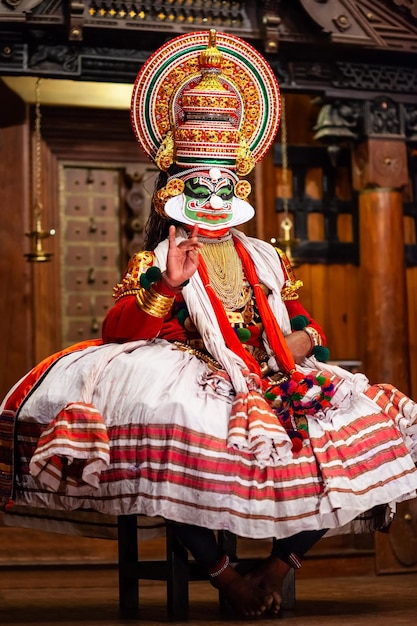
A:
(154, 303)
(314, 335)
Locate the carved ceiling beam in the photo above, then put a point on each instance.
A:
(372, 23)
(76, 20)
(375, 24)
(271, 21)
(166, 17)
(313, 45)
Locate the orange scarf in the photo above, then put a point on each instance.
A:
(273, 331)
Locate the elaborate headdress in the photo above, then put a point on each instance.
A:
(206, 100)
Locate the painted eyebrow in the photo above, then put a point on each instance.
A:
(199, 181)
(196, 189)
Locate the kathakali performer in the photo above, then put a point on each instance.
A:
(217, 407)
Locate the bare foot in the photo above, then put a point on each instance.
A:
(242, 594)
(269, 575)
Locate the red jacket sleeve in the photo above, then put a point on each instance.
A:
(294, 308)
(126, 321)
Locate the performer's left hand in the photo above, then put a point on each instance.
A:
(299, 344)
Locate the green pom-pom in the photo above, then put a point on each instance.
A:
(243, 334)
(153, 274)
(144, 281)
(299, 322)
(182, 315)
(321, 353)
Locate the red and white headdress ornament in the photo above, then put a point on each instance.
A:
(206, 98)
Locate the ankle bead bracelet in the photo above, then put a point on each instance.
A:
(225, 563)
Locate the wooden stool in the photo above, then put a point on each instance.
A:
(177, 571)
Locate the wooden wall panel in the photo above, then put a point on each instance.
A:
(17, 350)
(30, 303)
(330, 294)
(264, 199)
(70, 136)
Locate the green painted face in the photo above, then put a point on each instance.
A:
(208, 199)
(208, 202)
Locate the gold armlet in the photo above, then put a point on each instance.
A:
(138, 264)
(289, 291)
(154, 303)
(128, 292)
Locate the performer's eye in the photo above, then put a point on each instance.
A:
(198, 192)
(226, 193)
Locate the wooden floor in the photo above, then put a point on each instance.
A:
(48, 579)
(88, 596)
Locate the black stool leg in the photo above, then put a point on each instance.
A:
(177, 577)
(128, 560)
(228, 543)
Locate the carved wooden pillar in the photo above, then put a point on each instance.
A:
(379, 173)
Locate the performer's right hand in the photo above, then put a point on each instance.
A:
(182, 259)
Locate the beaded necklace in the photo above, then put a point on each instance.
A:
(225, 273)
